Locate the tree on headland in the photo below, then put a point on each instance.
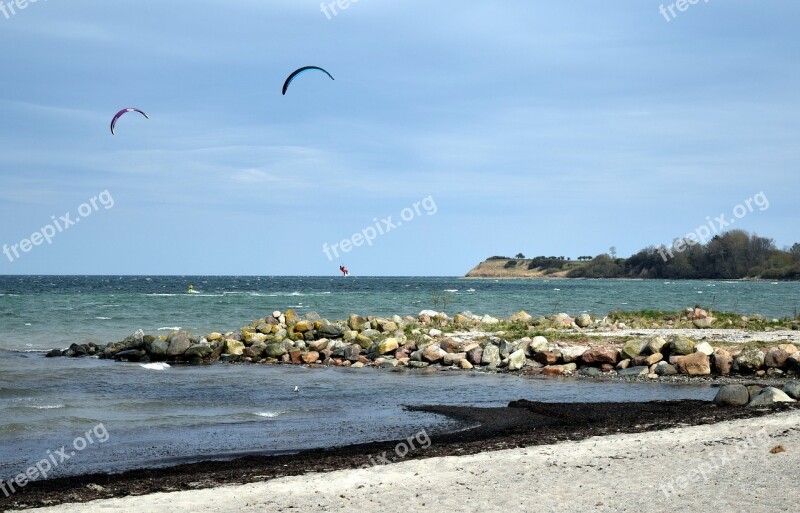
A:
(520, 256)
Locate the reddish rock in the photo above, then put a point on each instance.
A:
(602, 355)
(606, 367)
(640, 361)
(433, 353)
(296, 356)
(547, 357)
(776, 358)
(310, 357)
(454, 358)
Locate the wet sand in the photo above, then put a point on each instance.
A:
(522, 424)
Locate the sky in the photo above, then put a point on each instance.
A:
(460, 130)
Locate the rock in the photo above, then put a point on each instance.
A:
(475, 355)
(723, 362)
(275, 350)
(624, 364)
(681, 346)
(387, 326)
(296, 356)
(356, 322)
(754, 390)
(418, 365)
(547, 357)
(465, 364)
(352, 352)
(591, 372)
(696, 364)
(601, 355)
(428, 313)
(364, 341)
(538, 344)
(450, 345)
(462, 319)
(178, 343)
(583, 320)
(634, 372)
(665, 369)
(311, 357)
(233, 347)
(302, 326)
(770, 396)
(732, 395)
(453, 358)
(433, 353)
(357, 365)
(703, 323)
(789, 348)
(319, 345)
(633, 348)
(654, 358)
(750, 360)
(705, 348)
(776, 358)
(387, 346)
(572, 353)
(656, 344)
(521, 316)
(792, 389)
(55, 353)
(388, 364)
(327, 330)
(491, 355)
(130, 355)
(516, 360)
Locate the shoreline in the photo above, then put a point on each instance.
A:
(520, 424)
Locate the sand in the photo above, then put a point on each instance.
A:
(612, 473)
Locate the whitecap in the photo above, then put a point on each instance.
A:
(470, 290)
(161, 295)
(47, 407)
(28, 324)
(167, 328)
(103, 318)
(155, 366)
(451, 290)
(557, 289)
(268, 414)
(296, 294)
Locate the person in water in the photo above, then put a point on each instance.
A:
(191, 289)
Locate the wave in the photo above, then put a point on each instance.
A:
(451, 290)
(155, 366)
(168, 328)
(47, 407)
(162, 295)
(103, 318)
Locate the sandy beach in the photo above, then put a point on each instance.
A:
(726, 467)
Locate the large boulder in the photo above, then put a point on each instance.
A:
(703, 323)
(583, 320)
(656, 345)
(453, 358)
(705, 348)
(634, 371)
(488, 319)
(776, 358)
(491, 355)
(475, 355)
(198, 351)
(178, 343)
(327, 330)
(770, 396)
(547, 357)
(665, 369)
(681, 346)
(792, 389)
(157, 348)
(233, 347)
(521, 316)
(633, 348)
(516, 360)
(538, 343)
(696, 364)
(356, 322)
(274, 350)
(732, 395)
(352, 352)
(601, 355)
(572, 353)
(749, 360)
(387, 346)
(433, 353)
(723, 362)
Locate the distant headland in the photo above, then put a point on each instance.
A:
(733, 255)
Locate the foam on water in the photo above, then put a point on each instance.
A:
(155, 366)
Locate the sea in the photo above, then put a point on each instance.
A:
(150, 415)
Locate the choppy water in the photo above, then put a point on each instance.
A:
(156, 415)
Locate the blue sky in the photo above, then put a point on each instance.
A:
(557, 128)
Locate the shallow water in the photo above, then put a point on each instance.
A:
(183, 413)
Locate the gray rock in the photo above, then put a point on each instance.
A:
(328, 330)
(656, 345)
(130, 355)
(506, 348)
(352, 352)
(591, 372)
(583, 320)
(178, 343)
(792, 389)
(769, 397)
(732, 395)
(158, 348)
(491, 355)
(55, 353)
(198, 351)
(749, 360)
(274, 350)
(681, 346)
(633, 348)
(665, 369)
(634, 371)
